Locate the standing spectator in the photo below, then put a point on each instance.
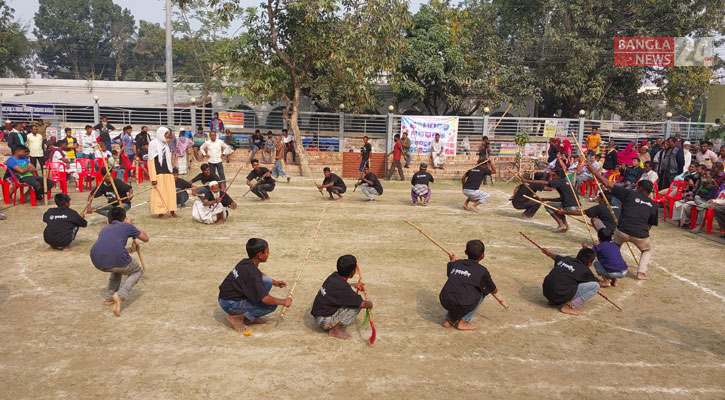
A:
(126, 142)
(216, 124)
(279, 159)
(35, 144)
(405, 142)
(366, 150)
(42, 127)
(88, 143)
(706, 156)
(594, 142)
(215, 149)
(553, 150)
(6, 130)
(269, 149)
(105, 132)
(397, 154)
(438, 152)
(142, 138)
(610, 159)
(199, 139)
(686, 153)
(17, 136)
(484, 150)
(229, 140)
(655, 148)
(721, 156)
(671, 160)
(182, 147)
(289, 146)
(256, 143)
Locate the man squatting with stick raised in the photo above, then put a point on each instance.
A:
(371, 186)
(468, 284)
(337, 305)
(333, 184)
(638, 215)
(105, 188)
(565, 201)
(518, 200)
(570, 283)
(260, 181)
(244, 293)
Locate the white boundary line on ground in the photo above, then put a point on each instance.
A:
(695, 284)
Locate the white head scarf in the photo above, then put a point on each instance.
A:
(159, 148)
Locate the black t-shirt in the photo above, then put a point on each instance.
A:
(474, 177)
(519, 200)
(566, 193)
(182, 184)
(258, 140)
(107, 190)
(366, 149)
(638, 212)
(205, 178)
(226, 200)
(334, 294)
(243, 282)
(254, 175)
(60, 224)
(561, 284)
(141, 139)
(601, 211)
(336, 181)
(421, 178)
(467, 282)
(376, 183)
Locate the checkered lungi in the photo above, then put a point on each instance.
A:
(478, 196)
(420, 190)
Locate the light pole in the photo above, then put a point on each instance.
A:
(193, 114)
(96, 111)
(341, 128)
(582, 118)
(486, 117)
(169, 70)
(668, 124)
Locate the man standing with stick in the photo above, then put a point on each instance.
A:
(471, 182)
(638, 215)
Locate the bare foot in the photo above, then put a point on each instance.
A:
(568, 309)
(465, 206)
(339, 197)
(117, 304)
(68, 248)
(465, 326)
(339, 332)
(173, 215)
(256, 321)
(474, 209)
(163, 216)
(448, 324)
(605, 283)
(614, 283)
(642, 276)
(108, 303)
(237, 322)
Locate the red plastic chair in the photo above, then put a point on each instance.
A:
(19, 185)
(5, 186)
(671, 197)
(58, 174)
(138, 172)
(98, 165)
(84, 169)
(589, 186)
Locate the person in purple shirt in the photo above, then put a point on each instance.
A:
(609, 265)
(109, 254)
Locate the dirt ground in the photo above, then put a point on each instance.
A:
(57, 339)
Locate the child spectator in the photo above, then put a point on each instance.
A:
(109, 254)
(336, 305)
(609, 265)
(62, 223)
(244, 293)
(570, 283)
(468, 284)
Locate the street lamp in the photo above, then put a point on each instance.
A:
(193, 100)
(668, 115)
(193, 113)
(486, 110)
(391, 108)
(95, 98)
(582, 113)
(96, 110)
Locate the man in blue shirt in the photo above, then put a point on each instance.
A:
(126, 141)
(109, 254)
(216, 124)
(23, 171)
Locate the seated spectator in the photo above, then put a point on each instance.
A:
(23, 171)
(648, 174)
(632, 173)
(229, 140)
(704, 191)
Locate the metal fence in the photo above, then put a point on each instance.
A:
(328, 131)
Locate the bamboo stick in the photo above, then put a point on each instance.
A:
(555, 209)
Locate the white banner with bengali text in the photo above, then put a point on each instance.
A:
(422, 129)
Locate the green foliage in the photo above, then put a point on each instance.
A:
(522, 137)
(146, 62)
(715, 132)
(14, 45)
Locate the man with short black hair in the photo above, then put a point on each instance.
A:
(365, 151)
(88, 143)
(332, 183)
(244, 293)
(205, 177)
(125, 140)
(62, 223)
(638, 215)
(23, 170)
(260, 181)
(17, 136)
(370, 184)
(269, 149)
(105, 129)
(289, 146)
(216, 124)
(397, 153)
(438, 152)
(106, 188)
(36, 146)
(570, 283)
(256, 143)
(471, 181)
(420, 193)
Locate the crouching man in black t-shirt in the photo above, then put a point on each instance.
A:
(244, 293)
(333, 184)
(336, 305)
(570, 283)
(468, 283)
(62, 223)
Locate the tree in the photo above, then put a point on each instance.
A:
(122, 31)
(315, 47)
(147, 57)
(75, 36)
(14, 45)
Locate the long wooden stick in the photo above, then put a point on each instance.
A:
(140, 258)
(524, 183)
(501, 119)
(607, 299)
(228, 186)
(90, 199)
(609, 206)
(450, 254)
(367, 310)
(529, 239)
(304, 261)
(555, 209)
(576, 197)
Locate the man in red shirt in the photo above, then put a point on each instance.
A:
(397, 154)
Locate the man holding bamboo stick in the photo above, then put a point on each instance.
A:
(244, 293)
(468, 284)
(337, 305)
(106, 188)
(638, 215)
(332, 183)
(62, 223)
(570, 283)
(471, 181)
(530, 207)
(565, 201)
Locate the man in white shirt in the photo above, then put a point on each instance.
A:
(688, 156)
(35, 144)
(289, 146)
(648, 174)
(88, 143)
(215, 149)
(437, 152)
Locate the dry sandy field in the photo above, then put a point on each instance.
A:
(58, 340)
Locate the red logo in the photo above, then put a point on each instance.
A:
(644, 51)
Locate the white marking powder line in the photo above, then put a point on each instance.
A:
(683, 279)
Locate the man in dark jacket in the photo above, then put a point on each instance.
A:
(17, 136)
(671, 161)
(610, 159)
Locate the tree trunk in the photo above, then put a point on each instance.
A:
(292, 122)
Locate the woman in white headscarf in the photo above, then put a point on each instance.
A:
(163, 196)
